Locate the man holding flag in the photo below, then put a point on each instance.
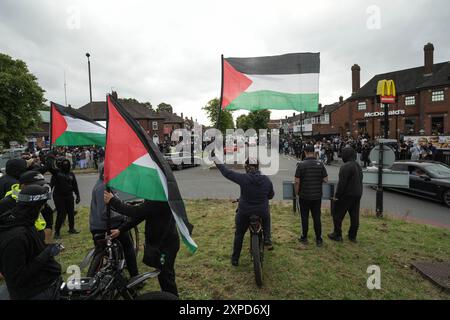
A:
(134, 164)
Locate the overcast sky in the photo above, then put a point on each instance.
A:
(169, 51)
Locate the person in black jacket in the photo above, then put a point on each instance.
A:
(309, 177)
(14, 168)
(348, 196)
(161, 236)
(65, 185)
(256, 191)
(27, 264)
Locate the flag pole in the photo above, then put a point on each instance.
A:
(107, 188)
(50, 126)
(221, 98)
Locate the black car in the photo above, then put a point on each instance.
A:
(427, 179)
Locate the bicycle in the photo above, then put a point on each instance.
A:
(256, 246)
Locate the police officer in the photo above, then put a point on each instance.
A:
(161, 236)
(309, 176)
(256, 191)
(27, 264)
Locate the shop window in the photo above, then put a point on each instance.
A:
(437, 125)
(362, 127)
(155, 125)
(410, 126)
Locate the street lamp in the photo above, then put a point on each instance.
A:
(89, 71)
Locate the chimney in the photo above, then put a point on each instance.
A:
(114, 94)
(429, 58)
(320, 106)
(356, 78)
(293, 114)
(182, 116)
(341, 99)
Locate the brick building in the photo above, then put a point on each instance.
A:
(152, 122)
(423, 104)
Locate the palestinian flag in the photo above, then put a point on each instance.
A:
(286, 82)
(134, 164)
(68, 127)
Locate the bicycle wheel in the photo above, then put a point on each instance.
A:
(157, 295)
(257, 266)
(96, 263)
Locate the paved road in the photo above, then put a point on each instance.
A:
(201, 183)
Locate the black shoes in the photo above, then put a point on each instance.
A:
(303, 240)
(234, 262)
(319, 242)
(57, 236)
(352, 240)
(268, 244)
(335, 237)
(74, 231)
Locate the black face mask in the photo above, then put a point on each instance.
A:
(65, 166)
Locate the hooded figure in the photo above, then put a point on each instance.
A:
(65, 186)
(256, 191)
(14, 168)
(348, 195)
(27, 264)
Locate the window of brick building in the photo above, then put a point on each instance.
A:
(410, 126)
(362, 127)
(362, 105)
(437, 96)
(155, 125)
(437, 125)
(410, 101)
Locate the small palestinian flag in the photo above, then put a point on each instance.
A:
(70, 128)
(134, 164)
(286, 82)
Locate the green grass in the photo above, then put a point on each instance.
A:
(293, 271)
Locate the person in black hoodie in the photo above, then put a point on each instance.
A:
(256, 191)
(14, 168)
(65, 185)
(161, 236)
(348, 196)
(27, 264)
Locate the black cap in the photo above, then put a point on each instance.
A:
(34, 193)
(309, 148)
(32, 177)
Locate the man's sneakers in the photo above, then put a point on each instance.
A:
(268, 244)
(57, 236)
(352, 239)
(335, 237)
(319, 242)
(234, 262)
(74, 231)
(303, 240)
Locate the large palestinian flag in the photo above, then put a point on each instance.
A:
(70, 128)
(134, 164)
(286, 82)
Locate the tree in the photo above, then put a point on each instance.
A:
(164, 107)
(147, 104)
(21, 97)
(255, 120)
(226, 118)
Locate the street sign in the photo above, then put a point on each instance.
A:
(387, 99)
(388, 156)
(393, 179)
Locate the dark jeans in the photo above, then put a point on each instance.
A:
(47, 214)
(242, 220)
(167, 276)
(128, 251)
(312, 206)
(64, 207)
(341, 207)
(51, 293)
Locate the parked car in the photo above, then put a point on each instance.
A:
(181, 160)
(427, 179)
